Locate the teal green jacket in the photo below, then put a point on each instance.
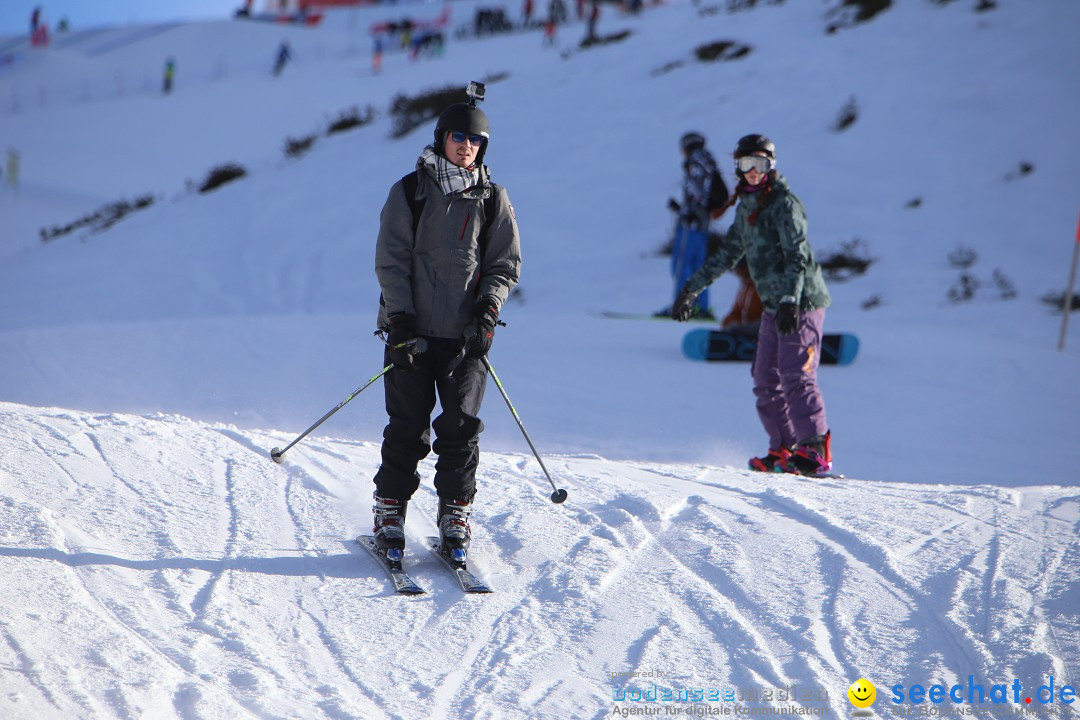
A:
(769, 230)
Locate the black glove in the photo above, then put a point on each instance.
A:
(485, 316)
(673, 205)
(402, 330)
(787, 318)
(683, 309)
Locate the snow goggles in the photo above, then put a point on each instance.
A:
(459, 137)
(753, 162)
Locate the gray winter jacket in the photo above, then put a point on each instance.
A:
(439, 274)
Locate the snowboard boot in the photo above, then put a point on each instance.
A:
(390, 526)
(772, 462)
(454, 531)
(812, 457)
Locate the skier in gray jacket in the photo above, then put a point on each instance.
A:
(446, 260)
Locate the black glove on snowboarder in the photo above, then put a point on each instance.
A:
(402, 330)
(787, 318)
(673, 205)
(485, 316)
(683, 309)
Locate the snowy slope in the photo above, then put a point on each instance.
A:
(157, 564)
(160, 567)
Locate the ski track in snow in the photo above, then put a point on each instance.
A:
(193, 578)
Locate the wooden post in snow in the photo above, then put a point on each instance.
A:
(1066, 304)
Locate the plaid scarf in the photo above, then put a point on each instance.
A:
(451, 178)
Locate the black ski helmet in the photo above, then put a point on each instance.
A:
(750, 144)
(691, 141)
(465, 118)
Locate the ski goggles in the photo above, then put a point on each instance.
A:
(460, 137)
(753, 162)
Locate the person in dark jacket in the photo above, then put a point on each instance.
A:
(446, 260)
(169, 76)
(769, 230)
(281, 59)
(690, 246)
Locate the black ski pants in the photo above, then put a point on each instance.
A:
(410, 400)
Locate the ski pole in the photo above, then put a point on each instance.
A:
(559, 495)
(419, 345)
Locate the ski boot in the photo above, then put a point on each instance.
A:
(812, 457)
(454, 532)
(773, 462)
(389, 529)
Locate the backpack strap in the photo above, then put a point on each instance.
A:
(489, 218)
(409, 183)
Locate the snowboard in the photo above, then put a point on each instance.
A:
(722, 346)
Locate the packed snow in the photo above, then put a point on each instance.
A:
(157, 564)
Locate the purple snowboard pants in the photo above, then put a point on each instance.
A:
(789, 401)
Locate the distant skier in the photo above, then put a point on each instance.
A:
(284, 54)
(690, 247)
(169, 74)
(13, 168)
(447, 257)
(769, 230)
(377, 55)
(550, 29)
(557, 11)
(39, 31)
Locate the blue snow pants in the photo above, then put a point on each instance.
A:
(688, 254)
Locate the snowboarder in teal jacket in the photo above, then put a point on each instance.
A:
(769, 230)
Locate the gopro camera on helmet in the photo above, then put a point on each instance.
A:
(475, 91)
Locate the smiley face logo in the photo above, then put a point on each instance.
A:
(862, 693)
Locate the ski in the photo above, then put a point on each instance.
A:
(615, 315)
(403, 584)
(469, 582)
